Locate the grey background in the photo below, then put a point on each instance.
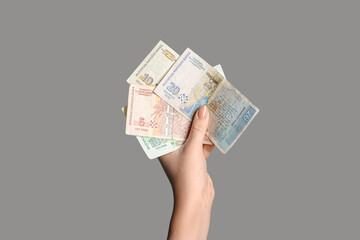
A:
(68, 171)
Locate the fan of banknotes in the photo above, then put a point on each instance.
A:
(165, 92)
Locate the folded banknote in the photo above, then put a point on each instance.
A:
(191, 82)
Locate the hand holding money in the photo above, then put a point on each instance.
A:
(166, 90)
(192, 185)
(167, 95)
(191, 82)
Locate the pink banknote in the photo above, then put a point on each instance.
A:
(150, 116)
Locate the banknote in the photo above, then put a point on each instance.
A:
(155, 65)
(156, 147)
(150, 116)
(220, 70)
(191, 82)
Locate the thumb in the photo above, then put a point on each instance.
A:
(199, 126)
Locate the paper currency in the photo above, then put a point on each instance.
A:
(191, 82)
(155, 147)
(150, 116)
(155, 65)
(220, 70)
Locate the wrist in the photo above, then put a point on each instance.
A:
(186, 220)
(190, 218)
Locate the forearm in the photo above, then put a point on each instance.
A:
(192, 186)
(190, 220)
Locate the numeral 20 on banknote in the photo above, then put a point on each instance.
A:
(173, 88)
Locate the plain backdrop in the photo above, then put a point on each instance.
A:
(68, 171)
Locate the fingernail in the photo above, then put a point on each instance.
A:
(202, 112)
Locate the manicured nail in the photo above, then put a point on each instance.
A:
(202, 112)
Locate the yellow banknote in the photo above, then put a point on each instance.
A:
(155, 65)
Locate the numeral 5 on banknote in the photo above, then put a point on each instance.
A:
(156, 147)
(150, 116)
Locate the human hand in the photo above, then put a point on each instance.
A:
(192, 186)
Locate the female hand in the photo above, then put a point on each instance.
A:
(192, 186)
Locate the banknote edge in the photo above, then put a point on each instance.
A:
(214, 93)
(126, 128)
(144, 60)
(238, 136)
(140, 139)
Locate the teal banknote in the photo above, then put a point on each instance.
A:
(155, 147)
(191, 82)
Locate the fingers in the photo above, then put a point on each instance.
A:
(198, 127)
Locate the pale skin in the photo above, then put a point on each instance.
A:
(192, 186)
